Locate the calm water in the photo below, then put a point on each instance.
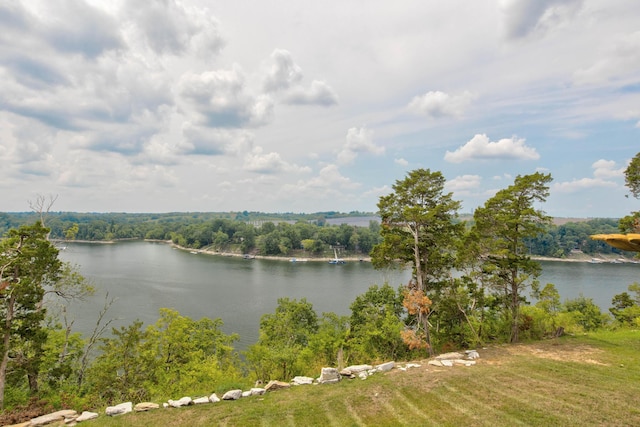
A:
(147, 276)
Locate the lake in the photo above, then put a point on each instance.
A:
(145, 277)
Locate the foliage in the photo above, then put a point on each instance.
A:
(632, 176)
(283, 336)
(376, 325)
(418, 229)
(28, 264)
(175, 355)
(586, 313)
(625, 308)
(499, 235)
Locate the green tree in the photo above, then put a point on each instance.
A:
(283, 335)
(376, 324)
(182, 353)
(28, 263)
(120, 372)
(499, 236)
(419, 229)
(632, 176)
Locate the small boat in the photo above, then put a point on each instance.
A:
(336, 260)
(596, 261)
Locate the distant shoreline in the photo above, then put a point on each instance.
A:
(584, 258)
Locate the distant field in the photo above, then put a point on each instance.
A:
(571, 381)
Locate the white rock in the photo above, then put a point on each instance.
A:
(435, 363)
(302, 380)
(453, 355)
(354, 369)
(246, 393)
(472, 354)
(123, 408)
(53, 417)
(257, 391)
(363, 375)
(232, 395)
(214, 398)
(201, 400)
(86, 415)
(184, 401)
(329, 375)
(464, 362)
(446, 362)
(145, 406)
(412, 365)
(384, 367)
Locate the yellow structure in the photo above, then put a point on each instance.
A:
(626, 242)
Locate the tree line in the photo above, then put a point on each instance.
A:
(312, 234)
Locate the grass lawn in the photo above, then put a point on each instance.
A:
(571, 381)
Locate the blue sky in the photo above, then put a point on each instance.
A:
(289, 106)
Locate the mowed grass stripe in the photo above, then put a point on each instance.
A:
(482, 404)
(405, 401)
(335, 421)
(571, 384)
(543, 408)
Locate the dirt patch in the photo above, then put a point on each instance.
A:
(573, 353)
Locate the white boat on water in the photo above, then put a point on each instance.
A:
(335, 259)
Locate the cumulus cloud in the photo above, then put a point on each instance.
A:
(284, 77)
(358, 141)
(319, 93)
(401, 162)
(200, 140)
(169, 27)
(463, 183)
(440, 104)
(283, 73)
(604, 169)
(220, 99)
(603, 172)
(329, 182)
(269, 163)
(479, 147)
(525, 17)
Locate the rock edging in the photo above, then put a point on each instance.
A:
(327, 376)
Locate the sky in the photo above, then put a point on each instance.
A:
(291, 106)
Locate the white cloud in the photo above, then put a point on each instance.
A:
(169, 27)
(220, 99)
(359, 141)
(401, 162)
(581, 184)
(319, 93)
(269, 163)
(479, 147)
(284, 78)
(202, 140)
(603, 172)
(525, 17)
(618, 63)
(463, 183)
(607, 169)
(283, 73)
(439, 104)
(328, 182)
